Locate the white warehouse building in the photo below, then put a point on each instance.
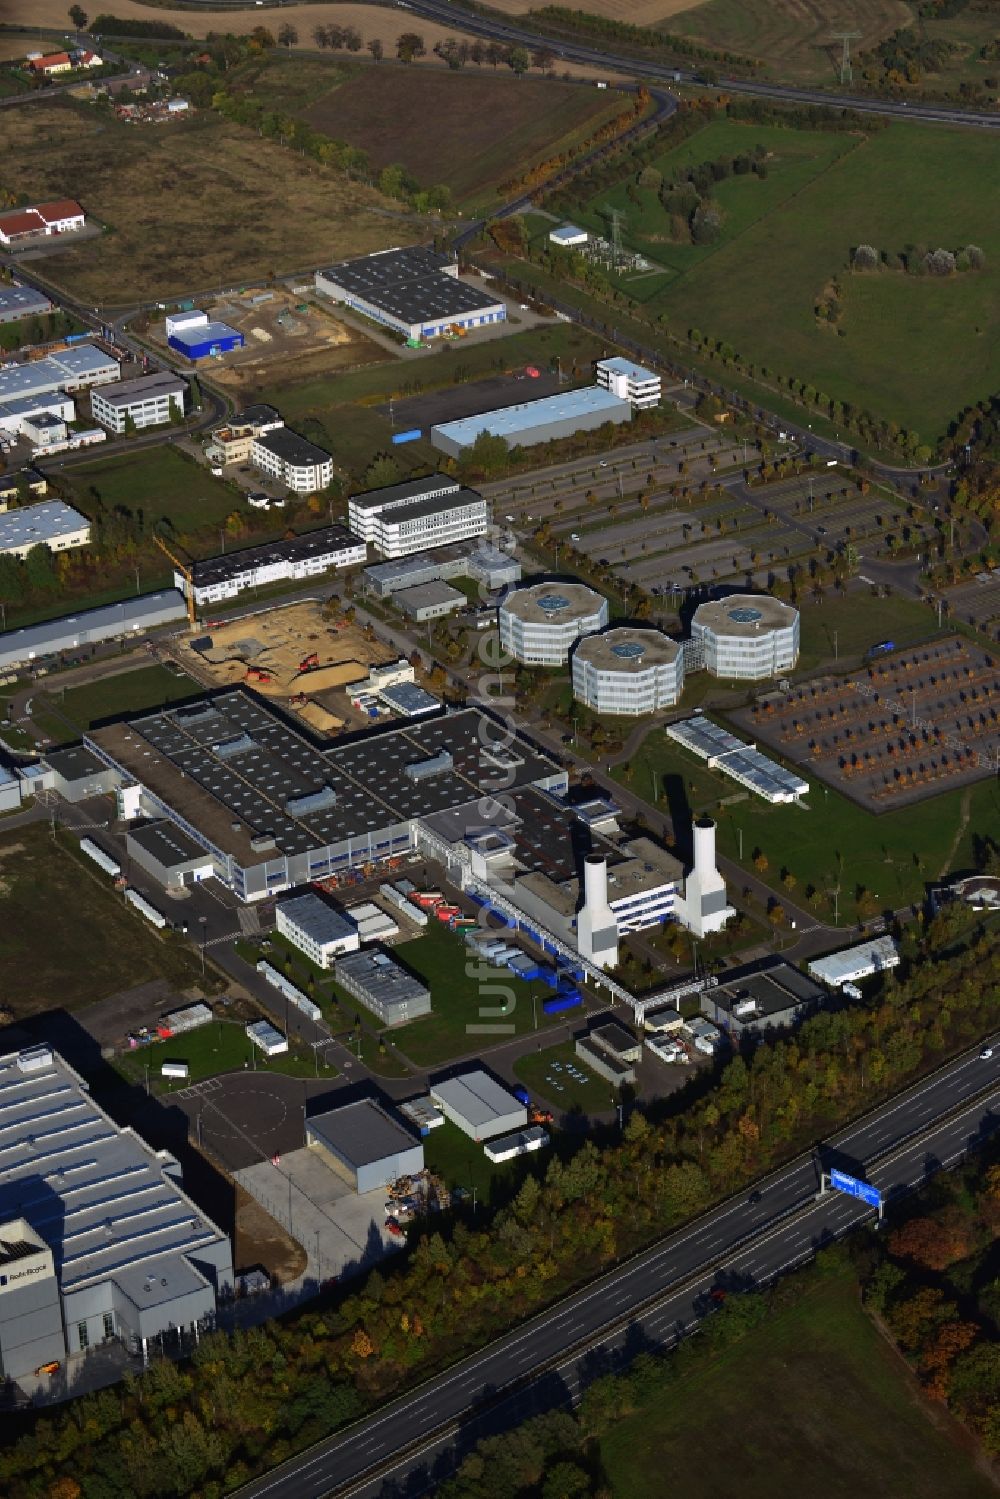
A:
(746, 636)
(414, 516)
(539, 625)
(316, 928)
(628, 671)
(630, 382)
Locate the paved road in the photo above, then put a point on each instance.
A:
(739, 1245)
(511, 33)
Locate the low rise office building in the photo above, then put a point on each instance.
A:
(51, 523)
(316, 928)
(148, 401)
(216, 579)
(232, 443)
(539, 625)
(417, 515)
(383, 986)
(628, 672)
(285, 456)
(630, 382)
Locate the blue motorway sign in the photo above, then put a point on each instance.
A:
(841, 1182)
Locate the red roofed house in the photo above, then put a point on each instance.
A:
(44, 219)
(51, 62)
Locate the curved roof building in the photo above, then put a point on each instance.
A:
(628, 671)
(540, 624)
(747, 635)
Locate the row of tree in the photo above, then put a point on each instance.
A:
(919, 260)
(248, 1401)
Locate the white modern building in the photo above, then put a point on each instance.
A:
(853, 963)
(568, 236)
(630, 382)
(478, 1104)
(18, 414)
(417, 515)
(149, 401)
(628, 672)
(223, 577)
(120, 1250)
(316, 928)
(414, 291)
(52, 524)
(746, 636)
(539, 625)
(68, 370)
(293, 460)
(232, 443)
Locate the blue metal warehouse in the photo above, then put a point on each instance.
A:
(203, 339)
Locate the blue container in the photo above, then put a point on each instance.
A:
(561, 1002)
(412, 436)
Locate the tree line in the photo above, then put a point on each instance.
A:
(919, 259)
(247, 1401)
(560, 18)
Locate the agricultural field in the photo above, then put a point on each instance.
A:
(175, 206)
(814, 1369)
(468, 131)
(96, 947)
(793, 38)
(785, 238)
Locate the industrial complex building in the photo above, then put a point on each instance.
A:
(274, 811)
(224, 577)
(533, 422)
(417, 515)
(17, 302)
(97, 1238)
(629, 382)
(68, 370)
(746, 636)
(196, 336)
(628, 671)
(742, 762)
(51, 523)
(316, 928)
(364, 1145)
(539, 625)
(110, 622)
(148, 401)
(293, 460)
(415, 291)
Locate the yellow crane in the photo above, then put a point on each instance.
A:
(186, 574)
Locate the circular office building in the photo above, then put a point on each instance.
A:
(747, 635)
(628, 671)
(540, 624)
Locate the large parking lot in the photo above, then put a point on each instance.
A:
(907, 725)
(978, 603)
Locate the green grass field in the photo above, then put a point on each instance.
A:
(470, 1009)
(64, 715)
(545, 1075)
(842, 628)
(161, 482)
(785, 238)
(814, 1394)
(462, 1162)
(222, 1046)
(66, 938)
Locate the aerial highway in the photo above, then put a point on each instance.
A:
(501, 29)
(654, 1298)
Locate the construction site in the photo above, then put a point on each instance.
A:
(296, 654)
(288, 333)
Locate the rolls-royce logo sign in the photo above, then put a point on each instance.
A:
(12, 1277)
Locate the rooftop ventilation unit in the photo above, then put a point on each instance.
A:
(34, 1059)
(313, 801)
(227, 748)
(423, 770)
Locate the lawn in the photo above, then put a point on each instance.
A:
(64, 715)
(846, 628)
(473, 1005)
(469, 131)
(464, 1163)
(162, 482)
(757, 287)
(175, 202)
(545, 1075)
(829, 842)
(222, 1046)
(66, 938)
(813, 1391)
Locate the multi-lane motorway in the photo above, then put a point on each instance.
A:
(652, 1299)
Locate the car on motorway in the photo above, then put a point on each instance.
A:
(603, 463)
(574, 536)
(986, 1053)
(820, 530)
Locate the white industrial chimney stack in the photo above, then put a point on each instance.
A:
(596, 925)
(703, 907)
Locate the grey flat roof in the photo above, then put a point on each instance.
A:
(511, 421)
(200, 333)
(66, 367)
(291, 448)
(552, 603)
(627, 650)
(477, 1097)
(23, 299)
(317, 918)
(361, 1133)
(93, 624)
(411, 489)
(126, 392)
(75, 763)
(165, 1280)
(411, 284)
(167, 843)
(420, 595)
(95, 1192)
(35, 525)
(408, 698)
(330, 540)
(386, 981)
(622, 366)
(744, 615)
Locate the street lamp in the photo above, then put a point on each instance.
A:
(204, 922)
